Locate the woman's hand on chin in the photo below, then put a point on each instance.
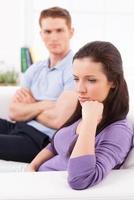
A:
(92, 110)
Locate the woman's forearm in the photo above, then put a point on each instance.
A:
(41, 157)
(85, 144)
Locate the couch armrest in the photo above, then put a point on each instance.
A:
(118, 185)
(6, 94)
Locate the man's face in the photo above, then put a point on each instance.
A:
(56, 35)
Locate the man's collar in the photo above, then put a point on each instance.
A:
(62, 62)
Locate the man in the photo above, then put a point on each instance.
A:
(46, 100)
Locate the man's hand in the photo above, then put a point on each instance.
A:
(24, 95)
(24, 107)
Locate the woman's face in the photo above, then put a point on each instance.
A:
(90, 81)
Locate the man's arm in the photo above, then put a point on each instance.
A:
(50, 113)
(24, 107)
(56, 116)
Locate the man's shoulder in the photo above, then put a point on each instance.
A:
(66, 63)
(37, 67)
(40, 64)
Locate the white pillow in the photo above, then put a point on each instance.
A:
(11, 166)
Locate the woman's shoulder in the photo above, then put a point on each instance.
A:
(118, 130)
(72, 127)
(122, 124)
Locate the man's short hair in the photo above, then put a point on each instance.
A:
(56, 12)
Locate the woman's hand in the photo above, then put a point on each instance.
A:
(30, 168)
(92, 110)
(91, 116)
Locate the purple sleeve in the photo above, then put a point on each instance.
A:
(111, 150)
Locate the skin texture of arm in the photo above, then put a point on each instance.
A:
(57, 115)
(24, 107)
(91, 112)
(50, 113)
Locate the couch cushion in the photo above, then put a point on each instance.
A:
(11, 166)
(118, 185)
(129, 162)
(6, 94)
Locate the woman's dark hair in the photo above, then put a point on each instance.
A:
(116, 105)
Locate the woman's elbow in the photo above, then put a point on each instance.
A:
(78, 184)
(84, 181)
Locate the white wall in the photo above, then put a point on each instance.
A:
(11, 32)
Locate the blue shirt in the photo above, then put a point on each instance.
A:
(48, 83)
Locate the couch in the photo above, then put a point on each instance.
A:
(118, 185)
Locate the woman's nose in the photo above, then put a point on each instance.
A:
(81, 88)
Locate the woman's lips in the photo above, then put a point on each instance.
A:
(83, 99)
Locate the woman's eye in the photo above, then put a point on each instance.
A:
(76, 79)
(92, 80)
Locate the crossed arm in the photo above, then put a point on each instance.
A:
(53, 114)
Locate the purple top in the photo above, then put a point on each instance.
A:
(112, 145)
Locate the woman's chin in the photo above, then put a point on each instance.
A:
(81, 102)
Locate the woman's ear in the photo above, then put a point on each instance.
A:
(113, 85)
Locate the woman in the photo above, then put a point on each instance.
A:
(98, 136)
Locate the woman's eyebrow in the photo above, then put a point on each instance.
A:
(86, 76)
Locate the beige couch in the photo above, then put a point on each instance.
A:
(118, 185)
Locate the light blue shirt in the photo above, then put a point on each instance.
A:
(48, 83)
